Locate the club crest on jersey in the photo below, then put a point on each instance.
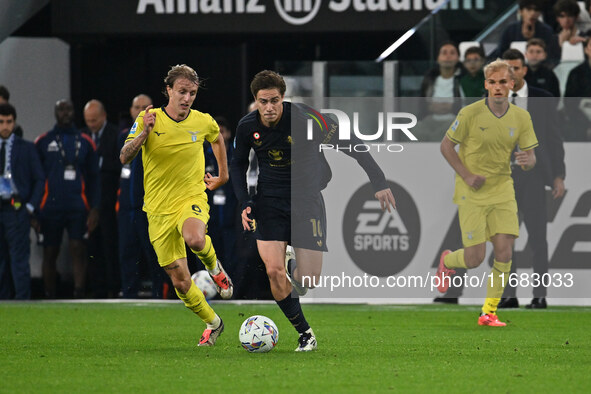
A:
(193, 135)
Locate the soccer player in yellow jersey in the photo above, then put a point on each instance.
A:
(487, 132)
(171, 139)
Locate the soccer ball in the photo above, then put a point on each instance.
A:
(258, 334)
(205, 283)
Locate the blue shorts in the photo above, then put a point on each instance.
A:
(53, 224)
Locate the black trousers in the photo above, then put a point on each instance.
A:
(530, 194)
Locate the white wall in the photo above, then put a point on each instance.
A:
(36, 71)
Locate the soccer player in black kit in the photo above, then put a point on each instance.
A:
(287, 186)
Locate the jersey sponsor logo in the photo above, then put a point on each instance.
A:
(193, 135)
(379, 242)
(455, 125)
(158, 133)
(133, 129)
(483, 128)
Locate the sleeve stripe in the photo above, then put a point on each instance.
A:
(452, 139)
(530, 147)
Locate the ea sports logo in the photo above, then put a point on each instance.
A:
(297, 12)
(379, 242)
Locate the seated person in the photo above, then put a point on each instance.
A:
(567, 12)
(539, 74)
(472, 82)
(578, 108)
(529, 27)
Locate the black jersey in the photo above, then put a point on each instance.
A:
(287, 158)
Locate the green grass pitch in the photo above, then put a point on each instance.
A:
(141, 348)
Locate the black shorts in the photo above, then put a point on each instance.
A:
(301, 224)
(53, 224)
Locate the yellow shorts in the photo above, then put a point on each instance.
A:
(480, 223)
(166, 231)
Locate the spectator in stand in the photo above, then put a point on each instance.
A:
(539, 75)
(4, 97)
(578, 108)
(440, 86)
(71, 196)
(134, 242)
(472, 82)
(530, 27)
(102, 244)
(567, 12)
(21, 188)
(584, 20)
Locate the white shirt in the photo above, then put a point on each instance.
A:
(521, 98)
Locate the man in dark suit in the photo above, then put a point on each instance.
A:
(530, 186)
(21, 189)
(102, 248)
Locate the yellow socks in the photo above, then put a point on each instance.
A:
(195, 301)
(455, 260)
(497, 281)
(207, 255)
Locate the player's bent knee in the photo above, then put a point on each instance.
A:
(474, 258)
(503, 256)
(276, 273)
(182, 285)
(196, 241)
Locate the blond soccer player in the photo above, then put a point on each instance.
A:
(487, 132)
(171, 139)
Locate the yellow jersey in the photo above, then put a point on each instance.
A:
(486, 144)
(173, 159)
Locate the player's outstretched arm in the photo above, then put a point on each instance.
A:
(131, 148)
(448, 151)
(386, 199)
(219, 151)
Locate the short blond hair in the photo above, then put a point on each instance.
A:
(498, 65)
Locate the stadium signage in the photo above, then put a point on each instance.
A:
(294, 12)
(255, 16)
(381, 243)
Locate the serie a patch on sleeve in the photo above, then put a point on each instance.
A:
(133, 129)
(455, 125)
